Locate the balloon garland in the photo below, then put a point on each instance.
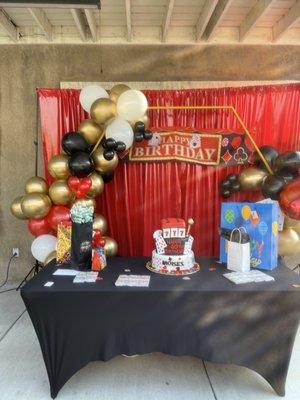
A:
(119, 118)
(90, 157)
(283, 186)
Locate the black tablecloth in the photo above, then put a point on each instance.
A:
(253, 325)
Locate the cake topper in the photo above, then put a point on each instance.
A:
(190, 223)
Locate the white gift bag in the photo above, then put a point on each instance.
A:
(238, 255)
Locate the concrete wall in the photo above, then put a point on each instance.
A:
(25, 67)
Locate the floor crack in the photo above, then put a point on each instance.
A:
(12, 325)
(209, 380)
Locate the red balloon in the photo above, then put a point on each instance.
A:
(289, 200)
(96, 233)
(85, 184)
(80, 194)
(39, 226)
(58, 214)
(102, 242)
(73, 182)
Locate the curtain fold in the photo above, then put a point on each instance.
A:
(141, 194)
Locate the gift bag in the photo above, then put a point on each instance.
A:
(98, 259)
(63, 247)
(261, 223)
(81, 248)
(238, 257)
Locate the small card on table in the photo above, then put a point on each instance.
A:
(133, 280)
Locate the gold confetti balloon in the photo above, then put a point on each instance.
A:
(288, 242)
(16, 208)
(111, 247)
(60, 193)
(252, 178)
(36, 184)
(102, 110)
(292, 223)
(36, 205)
(117, 90)
(58, 166)
(97, 185)
(90, 130)
(101, 164)
(100, 223)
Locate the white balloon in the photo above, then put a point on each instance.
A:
(42, 246)
(120, 130)
(132, 105)
(91, 93)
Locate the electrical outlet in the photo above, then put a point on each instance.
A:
(16, 252)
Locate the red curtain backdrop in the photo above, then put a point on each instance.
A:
(141, 194)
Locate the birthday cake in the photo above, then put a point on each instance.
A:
(173, 253)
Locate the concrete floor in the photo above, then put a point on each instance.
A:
(23, 375)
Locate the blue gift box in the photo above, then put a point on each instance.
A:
(261, 223)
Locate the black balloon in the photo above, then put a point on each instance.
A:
(270, 154)
(109, 154)
(72, 142)
(232, 177)
(139, 126)
(288, 174)
(272, 186)
(107, 176)
(226, 193)
(226, 184)
(109, 144)
(121, 146)
(290, 159)
(148, 135)
(81, 164)
(235, 186)
(138, 136)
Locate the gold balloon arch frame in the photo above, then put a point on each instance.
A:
(228, 108)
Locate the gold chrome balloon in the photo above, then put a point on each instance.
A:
(86, 202)
(16, 209)
(251, 178)
(36, 205)
(144, 119)
(292, 223)
(58, 166)
(288, 242)
(102, 110)
(101, 164)
(50, 257)
(90, 130)
(100, 223)
(111, 246)
(60, 193)
(36, 184)
(117, 90)
(97, 185)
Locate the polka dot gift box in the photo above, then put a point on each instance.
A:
(261, 223)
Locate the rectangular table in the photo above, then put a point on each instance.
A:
(209, 317)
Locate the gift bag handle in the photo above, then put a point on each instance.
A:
(240, 237)
(242, 227)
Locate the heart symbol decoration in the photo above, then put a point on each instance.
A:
(73, 182)
(80, 186)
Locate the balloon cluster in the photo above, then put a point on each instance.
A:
(283, 185)
(230, 184)
(89, 158)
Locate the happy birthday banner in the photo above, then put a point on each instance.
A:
(213, 148)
